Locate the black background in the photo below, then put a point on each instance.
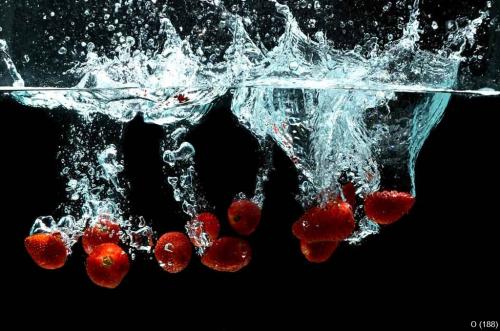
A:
(436, 267)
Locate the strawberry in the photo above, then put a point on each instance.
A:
(228, 254)
(181, 98)
(349, 192)
(107, 265)
(204, 229)
(386, 207)
(244, 216)
(333, 222)
(104, 231)
(47, 250)
(173, 251)
(318, 252)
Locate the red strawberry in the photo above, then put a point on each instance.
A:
(228, 254)
(204, 227)
(244, 216)
(181, 98)
(173, 251)
(318, 252)
(334, 222)
(47, 250)
(107, 265)
(104, 231)
(349, 192)
(386, 207)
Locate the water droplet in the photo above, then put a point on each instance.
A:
(168, 247)
(184, 152)
(130, 41)
(450, 25)
(178, 133)
(311, 23)
(43, 224)
(177, 195)
(72, 184)
(173, 181)
(434, 25)
(67, 222)
(62, 51)
(90, 46)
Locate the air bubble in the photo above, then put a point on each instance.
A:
(130, 41)
(184, 152)
(90, 47)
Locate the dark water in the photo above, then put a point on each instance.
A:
(437, 268)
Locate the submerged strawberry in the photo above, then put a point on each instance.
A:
(204, 229)
(318, 252)
(333, 222)
(173, 252)
(228, 254)
(182, 98)
(107, 265)
(386, 207)
(47, 250)
(244, 216)
(104, 231)
(349, 191)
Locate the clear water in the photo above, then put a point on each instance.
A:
(356, 108)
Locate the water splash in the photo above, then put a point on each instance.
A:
(339, 111)
(17, 80)
(91, 167)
